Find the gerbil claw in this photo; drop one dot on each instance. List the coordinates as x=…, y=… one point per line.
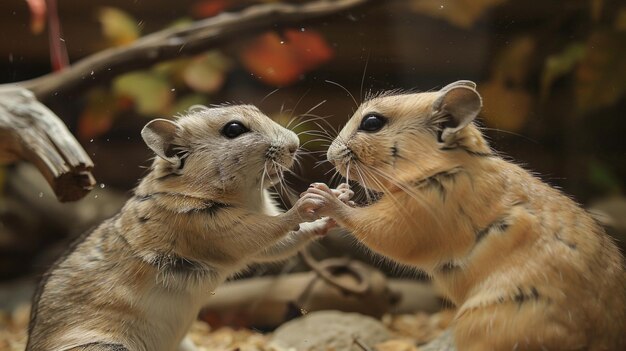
x=323, y=187
x=343, y=186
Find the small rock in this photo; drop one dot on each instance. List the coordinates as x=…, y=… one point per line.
x=329, y=330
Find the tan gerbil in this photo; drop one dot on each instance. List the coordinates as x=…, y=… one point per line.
x=202, y=213
x=526, y=266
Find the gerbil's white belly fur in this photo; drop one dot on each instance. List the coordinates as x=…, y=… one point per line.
x=168, y=316
x=159, y=320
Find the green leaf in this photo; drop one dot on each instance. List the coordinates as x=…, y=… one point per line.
x=559, y=65
x=150, y=92
x=118, y=26
x=174, y=71
x=601, y=176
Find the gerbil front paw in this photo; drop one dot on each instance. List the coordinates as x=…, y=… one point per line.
x=323, y=225
x=344, y=193
x=308, y=207
x=331, y=201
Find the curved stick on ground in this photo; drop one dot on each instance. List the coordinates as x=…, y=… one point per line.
x=30, y=131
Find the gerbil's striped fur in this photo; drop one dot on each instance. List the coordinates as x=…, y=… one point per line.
x=202, y=213
x=526, y=266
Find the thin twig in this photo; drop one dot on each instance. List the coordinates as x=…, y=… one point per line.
x=361, y=345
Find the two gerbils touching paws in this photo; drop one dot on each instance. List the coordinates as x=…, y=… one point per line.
x=321, y=201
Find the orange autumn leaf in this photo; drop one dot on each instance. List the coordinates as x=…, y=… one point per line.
x=98, y=115
x=309, y=47
x=280, y=61
x=92, y=124
x=38, y=11
x=209, y=8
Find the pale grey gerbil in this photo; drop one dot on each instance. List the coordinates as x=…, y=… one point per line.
x=202, y=213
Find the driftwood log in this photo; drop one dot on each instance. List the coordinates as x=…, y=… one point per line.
x=30, y=131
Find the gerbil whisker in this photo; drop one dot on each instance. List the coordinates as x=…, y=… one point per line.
x=279, y=186
x=359, y=174
x=298, y=102
x=321, y=162
x=410, y=192
x=263, y=177
x=290, y=171
x=363, y=77
x=344, y=88
x=315, y=107
x=313, y=141
x=511, y=133
x=313, y=152
x=315, y=133
x=322, y=129
x=284, y=184
x=330, y=170
x=297, y=159
x=399, y=206
x=312, y=118
x=268, y=95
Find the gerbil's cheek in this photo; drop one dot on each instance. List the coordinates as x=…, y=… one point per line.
x=294, y=142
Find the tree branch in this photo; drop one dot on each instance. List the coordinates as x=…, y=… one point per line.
x=30, y=131
x=176, y=42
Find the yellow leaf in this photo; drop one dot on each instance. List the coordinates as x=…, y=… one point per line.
x=461, y=13
x=601, y=75
x=2, y=179
x=559, y=65
x=513, y=62
x=207, y=72
x=504, y=107
x=620, y=20
x=150, y=92
x=118, y=27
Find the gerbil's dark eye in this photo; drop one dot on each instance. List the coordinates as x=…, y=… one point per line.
x=372, y=123
x=234, y=129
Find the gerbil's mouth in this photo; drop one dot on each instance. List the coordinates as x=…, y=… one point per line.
x=370, y=179
x=274, y=171
x=273, y=174
x=365, y=197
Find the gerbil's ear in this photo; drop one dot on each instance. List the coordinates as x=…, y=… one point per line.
x=459, y=83
x=458, y=105
x=159, y=135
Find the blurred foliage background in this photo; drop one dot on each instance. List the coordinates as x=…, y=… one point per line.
x=552, y=75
